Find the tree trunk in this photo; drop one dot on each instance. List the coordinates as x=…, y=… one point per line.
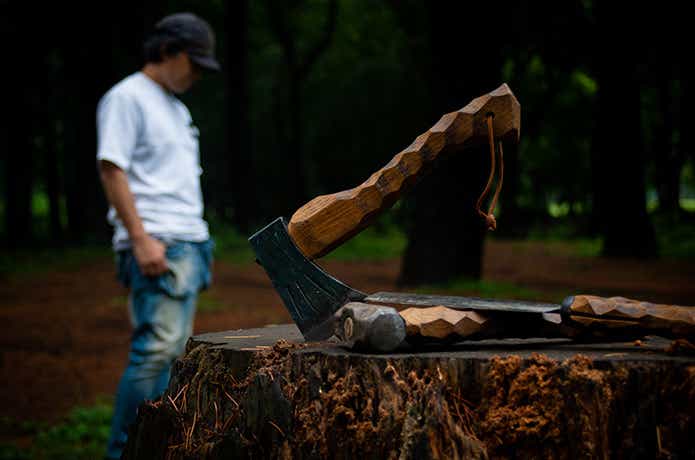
x=18, y=136
x=446, y=235
x=262, y=393
x=445, y=238
x=510, y=214
x=52, y=163
x=666, y=153
x=686, y=141
x=668, y=158
x=19, y=176
x=618, y=163
x=242, y=193
x=295, y=142
x=90, y=70
x=297, y=70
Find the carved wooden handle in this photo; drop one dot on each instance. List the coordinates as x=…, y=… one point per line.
x=442, y=322
x=329, y=220
x=621, y=314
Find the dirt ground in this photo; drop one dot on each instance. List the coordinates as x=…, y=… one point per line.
x=65, y=335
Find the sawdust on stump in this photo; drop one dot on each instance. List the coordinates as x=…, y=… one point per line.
x=547, y=408
x=311, y=405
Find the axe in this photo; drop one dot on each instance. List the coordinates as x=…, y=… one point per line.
x=323, y=306
x=286, y=250
x=374, y=324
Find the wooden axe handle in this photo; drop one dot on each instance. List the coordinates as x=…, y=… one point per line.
x=583, y=316
x=329, y=220
x=441, y=322
x=620, y=314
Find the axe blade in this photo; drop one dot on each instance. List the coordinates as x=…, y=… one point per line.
x=460, y=303
x=311, y=295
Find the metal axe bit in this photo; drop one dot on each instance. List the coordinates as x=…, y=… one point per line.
x=286, y=250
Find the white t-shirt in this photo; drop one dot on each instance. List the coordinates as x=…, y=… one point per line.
x=148, y=133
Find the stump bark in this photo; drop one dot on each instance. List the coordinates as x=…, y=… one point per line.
x=264, y=393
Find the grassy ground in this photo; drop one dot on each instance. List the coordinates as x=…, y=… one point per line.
x=675, y=241
x=82, y=436
x=233, y=247
x=481, y=288
x=26, y=262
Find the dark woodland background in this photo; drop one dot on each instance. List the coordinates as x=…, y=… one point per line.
x=317, y=94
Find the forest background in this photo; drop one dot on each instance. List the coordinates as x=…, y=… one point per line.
x=316, y=95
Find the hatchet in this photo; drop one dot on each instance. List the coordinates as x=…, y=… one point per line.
x=375, y=325
x=286, y=250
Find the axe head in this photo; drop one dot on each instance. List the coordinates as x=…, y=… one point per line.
x=311, y=295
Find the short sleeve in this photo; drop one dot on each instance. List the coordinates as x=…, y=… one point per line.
x=117, y=129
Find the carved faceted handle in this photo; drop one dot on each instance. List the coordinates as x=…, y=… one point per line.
x=442, y=322
x=619, y=313
x=329, y=220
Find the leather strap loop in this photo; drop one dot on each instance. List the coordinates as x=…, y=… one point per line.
x=490, y=221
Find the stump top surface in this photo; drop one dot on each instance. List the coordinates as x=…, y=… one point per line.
x=259, y=339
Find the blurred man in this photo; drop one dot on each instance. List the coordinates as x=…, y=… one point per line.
x=149, y=165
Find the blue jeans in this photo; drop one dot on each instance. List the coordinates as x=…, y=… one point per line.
x=161, y=310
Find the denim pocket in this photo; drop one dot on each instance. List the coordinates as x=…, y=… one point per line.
x=188, y=270
x=181, y=278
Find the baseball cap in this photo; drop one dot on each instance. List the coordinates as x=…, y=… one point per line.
x=196, y=33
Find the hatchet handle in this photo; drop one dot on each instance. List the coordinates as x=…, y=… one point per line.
x=327, y=221
x=441, y=322
x=621, y=315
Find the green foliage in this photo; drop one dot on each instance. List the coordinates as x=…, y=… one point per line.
x=41, y=260
x=559, y=242
x=83, y=435
x=355, y=111
x=675, y=239
x=363, y=100
x=560, y=236
x=372, y=244
x=12, y=452
x=231, y=245
x=383, y=240
x=483, y=288
x=554, y=154
x=207, y=304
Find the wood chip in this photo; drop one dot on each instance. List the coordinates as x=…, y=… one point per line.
x=241, y=337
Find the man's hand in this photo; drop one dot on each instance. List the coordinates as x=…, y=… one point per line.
x=150, y=255
x=149, y=252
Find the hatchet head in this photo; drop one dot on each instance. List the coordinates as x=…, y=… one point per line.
x=285, y=250
x=310, y=294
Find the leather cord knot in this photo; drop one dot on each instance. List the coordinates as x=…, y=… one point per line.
x=490, y=221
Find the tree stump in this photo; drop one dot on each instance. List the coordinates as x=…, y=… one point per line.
x=264, y=393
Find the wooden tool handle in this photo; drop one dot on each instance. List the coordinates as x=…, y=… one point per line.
x=621, y=315
x=442, y=323
x=329, y=220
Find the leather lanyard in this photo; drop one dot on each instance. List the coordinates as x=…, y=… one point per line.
x=490, y=221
